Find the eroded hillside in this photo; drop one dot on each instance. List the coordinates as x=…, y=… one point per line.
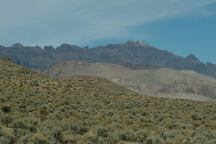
x=155, y=82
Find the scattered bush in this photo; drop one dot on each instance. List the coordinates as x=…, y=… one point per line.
x=126, y=136
x=6, y=140
x=6, y=108
x=169, y=134
x=141, y=135
x=77, y=129
x=154, y=140
x=6, y=135
x=196, y=117
x=37, y=138
x=57, y=134
x=102, y=132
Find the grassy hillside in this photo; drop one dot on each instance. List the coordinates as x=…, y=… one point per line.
x=155, y=82
x=35, y=109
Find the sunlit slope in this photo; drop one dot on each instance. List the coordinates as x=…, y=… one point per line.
x=155, y=82
x=81, y=109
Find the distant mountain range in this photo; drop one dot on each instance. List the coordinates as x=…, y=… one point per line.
x=162, y=82
x=132, y=54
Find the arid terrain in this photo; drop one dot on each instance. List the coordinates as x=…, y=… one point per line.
x=107, y=72
x=41, y=110
x=161, y=82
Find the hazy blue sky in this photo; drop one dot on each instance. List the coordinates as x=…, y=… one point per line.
x=180, y=26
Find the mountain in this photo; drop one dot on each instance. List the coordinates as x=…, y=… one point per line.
x=132, y=54
x=155, y=82
x=83, y=109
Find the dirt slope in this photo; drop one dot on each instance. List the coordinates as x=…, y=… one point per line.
x=155, y=82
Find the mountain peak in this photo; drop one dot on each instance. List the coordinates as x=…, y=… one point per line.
x=136, y=43
x=17, y=45
x=65, y=46
x=192, y=57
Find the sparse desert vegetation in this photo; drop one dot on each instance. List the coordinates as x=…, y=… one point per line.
x=35, y=109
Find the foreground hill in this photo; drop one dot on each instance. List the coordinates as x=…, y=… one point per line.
x=40, y=110
x=155, y=82
x=136, y=55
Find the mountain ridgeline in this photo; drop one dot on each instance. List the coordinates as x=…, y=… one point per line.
x=132, y=54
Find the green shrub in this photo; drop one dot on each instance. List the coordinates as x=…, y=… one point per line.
x=196, y=117
x=126, y=136
x=141, y=135
x=57, y=134
x=77, y=129
x=6, y=140
x=154, y=140
x=43, y=113
x=6, y=135
x=169, y=134
x=24, y=125
x=33, y=138
x=6, y=108
x=213, y=141
x=102, y=132
x=1, y=131
x=6, y=120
